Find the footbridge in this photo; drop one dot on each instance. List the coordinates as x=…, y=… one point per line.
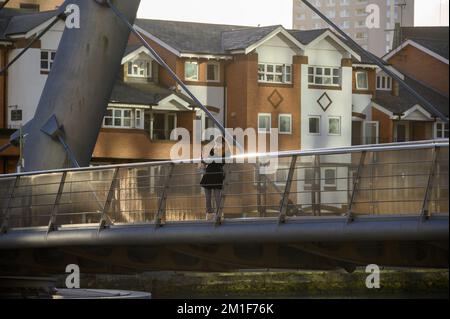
x=321, y=209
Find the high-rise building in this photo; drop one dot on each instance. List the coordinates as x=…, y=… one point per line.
x=358, y=18
x=35, y=5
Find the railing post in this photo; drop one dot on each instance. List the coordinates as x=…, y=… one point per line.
x=425, y=212
x=287, y=191
x=105, y=220
x=52, y=223
x=219, y=211
x=317, y=186
x=5, y=224
x=356, y=183
x=163, y=198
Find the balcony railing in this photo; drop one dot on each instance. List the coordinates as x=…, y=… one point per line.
x=391, y=179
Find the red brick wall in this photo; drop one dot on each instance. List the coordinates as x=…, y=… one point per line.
x=423, y=67
x=386, y=128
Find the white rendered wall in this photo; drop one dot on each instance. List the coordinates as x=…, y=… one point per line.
x=25, y=81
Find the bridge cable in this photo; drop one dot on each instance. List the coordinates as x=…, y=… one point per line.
x=380, y=63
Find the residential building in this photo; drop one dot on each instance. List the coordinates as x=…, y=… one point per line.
x=351, y=16
x=422, y=61
x=313, y=86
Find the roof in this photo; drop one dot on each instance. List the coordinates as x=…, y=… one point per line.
x=432, y=38
x=188, y=37
x=204, y=38
x=243, y=38
x=22, y=23
x=405, y=101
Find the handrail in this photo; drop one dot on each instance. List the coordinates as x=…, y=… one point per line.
x=320, y=151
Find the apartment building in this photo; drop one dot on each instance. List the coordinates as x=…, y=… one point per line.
x=35, y=5
x=351, y=15
x=422, y=61
x=311, y=85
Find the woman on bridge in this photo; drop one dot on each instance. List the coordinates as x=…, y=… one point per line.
x=212, y=181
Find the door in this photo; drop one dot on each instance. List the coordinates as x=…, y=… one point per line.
x=371, y=132
x=402, y=132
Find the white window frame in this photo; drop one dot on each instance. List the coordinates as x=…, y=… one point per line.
x=286, y=77
x=193, y=79
x=270, y=123
x=387, y=82
x=439, y=133
x=134, y=65
x=330, y=77
x=50, y=59
x=121, y=117
x=290, y=123
x=217, y=66
x=340, y=125
x=319, y=126
x=138, y=118
x=325, y=184
x=367, y=80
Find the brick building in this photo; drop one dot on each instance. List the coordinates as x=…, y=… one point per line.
x=311, y=85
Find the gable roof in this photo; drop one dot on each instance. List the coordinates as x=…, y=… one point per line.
x=431, y=40
x=242, y=38
x=188, y=37
x=405, y=101
x=22, y=23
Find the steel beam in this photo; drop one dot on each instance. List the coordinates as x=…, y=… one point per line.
x=52, y=223
x=79, y=86
x=298, y=230
x=356, y=183
x=161, y=215
x=287, y=191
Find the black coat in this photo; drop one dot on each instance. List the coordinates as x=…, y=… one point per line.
x=214, y=176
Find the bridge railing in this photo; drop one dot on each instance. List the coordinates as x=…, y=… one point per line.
x=390, y=179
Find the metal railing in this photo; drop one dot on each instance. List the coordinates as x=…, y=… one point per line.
x=389, y=179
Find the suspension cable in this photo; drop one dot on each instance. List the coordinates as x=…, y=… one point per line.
x=379, y=63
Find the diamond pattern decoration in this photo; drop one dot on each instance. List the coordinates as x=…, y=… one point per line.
x=325, y=102
x=275, y=99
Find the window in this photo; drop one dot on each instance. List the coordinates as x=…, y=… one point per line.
x=274, y=73
x=16, y=115
x=330, y=177
x=330, y=3
x=285, y=123
x=47, y=58
x=324, y=75
x=345, y=2
x=360, y=12
x=30, y=7
x=118, y=118
x=442, y=130
x=212, y=72
x=331, y=14
x=314, y=125
x=138, y=119
x=191, y=71
x=384, y=82
x=139, y=68
x=345, y=24
x=334, y=125
x=360, y=24
x=309, y=178
x=264, y=123
x=362, y=81
x=344, y=13
x=361, y=35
